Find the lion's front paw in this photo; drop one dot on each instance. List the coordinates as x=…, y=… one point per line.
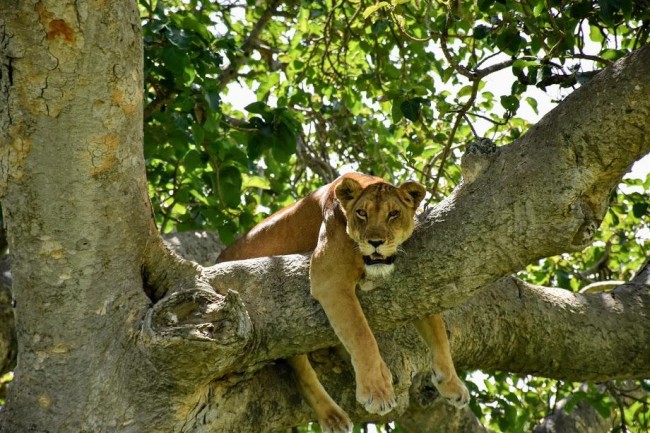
x=335, y=420
x=375, y=390
x=451, y=388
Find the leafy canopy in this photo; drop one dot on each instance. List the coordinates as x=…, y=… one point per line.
x=393, y=88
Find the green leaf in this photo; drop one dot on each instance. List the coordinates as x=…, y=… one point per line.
x=193, y=160
x=230, y=184
x=595, y=34
x=379, y=26
x=510, y=103
x=214, y=100
x=284, y=143
x=602, y=407
x=639, y=209
x=481, y=31
x=509, y=40
x=609, y=9
x=465, y=91
x=256, y=182
x=485, y=5
x=198, y=133
x=256, y=145
x=533, y=104
x=396, y=111
x=613, y=55
x=411, y=109
x=258, y=107
x=521, y=63
x=581, y=10
x=191, y=22
x=180, y=38
x=539, y=8
x=374, y=8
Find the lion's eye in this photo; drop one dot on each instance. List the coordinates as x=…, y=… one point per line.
x=393, y=214
x=362, y=214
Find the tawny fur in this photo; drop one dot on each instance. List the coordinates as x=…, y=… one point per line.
x=355, y=216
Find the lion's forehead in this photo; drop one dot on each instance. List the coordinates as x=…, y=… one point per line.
x=380, y=199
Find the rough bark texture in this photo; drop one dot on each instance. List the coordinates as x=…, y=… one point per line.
x=116, y=333
x=75, y=206
x=440, y=418
x=583, y=418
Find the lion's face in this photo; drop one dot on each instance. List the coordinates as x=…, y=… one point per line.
x=379, y=219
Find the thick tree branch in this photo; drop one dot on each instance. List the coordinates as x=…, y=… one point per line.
x=510, y=316
x=543, y=195
x=555, y=333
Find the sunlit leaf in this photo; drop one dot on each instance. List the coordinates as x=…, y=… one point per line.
x=374, y=8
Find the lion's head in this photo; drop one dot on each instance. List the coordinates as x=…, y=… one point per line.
x=379, y=219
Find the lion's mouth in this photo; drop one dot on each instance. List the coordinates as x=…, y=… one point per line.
x=378, y=259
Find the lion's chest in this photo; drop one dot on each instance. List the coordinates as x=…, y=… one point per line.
x=374, y=275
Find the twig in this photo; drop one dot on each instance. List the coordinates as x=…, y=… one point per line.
x=404, y=32
x=231, y=71
x=452, y=134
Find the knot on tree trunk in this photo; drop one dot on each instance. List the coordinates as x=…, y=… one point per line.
x=581, y=210
x=478, y=156
x=209, y=329
x=423, y=392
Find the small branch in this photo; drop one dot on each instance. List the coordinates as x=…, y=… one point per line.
x=452, y=134
x=454, y=64
x=403, y=31
x=163, y=96
x=253, y=38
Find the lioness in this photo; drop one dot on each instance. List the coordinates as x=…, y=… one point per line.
x=353, y=226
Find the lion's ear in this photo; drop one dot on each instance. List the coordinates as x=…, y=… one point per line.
x=347, y=191
x=413, y=191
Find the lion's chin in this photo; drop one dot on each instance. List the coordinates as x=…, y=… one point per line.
x=378, y=266
x=378, y=271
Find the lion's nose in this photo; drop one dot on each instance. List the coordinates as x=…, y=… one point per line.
x=375, y=243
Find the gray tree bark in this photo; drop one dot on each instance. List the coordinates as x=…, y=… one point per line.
x=583, y=418
x=75, y=206
x=116, y=333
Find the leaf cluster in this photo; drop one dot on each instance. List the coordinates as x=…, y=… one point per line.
x=394, y=89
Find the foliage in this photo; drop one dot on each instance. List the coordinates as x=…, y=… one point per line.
x=393, y=88
x=4, y=380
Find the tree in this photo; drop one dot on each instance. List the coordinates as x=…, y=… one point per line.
x=117, y=333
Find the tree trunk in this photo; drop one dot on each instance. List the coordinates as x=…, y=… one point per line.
x=116, y=333
x=76, y=209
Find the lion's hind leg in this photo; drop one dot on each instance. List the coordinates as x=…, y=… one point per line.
x=432, y=329
x=331, y=417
